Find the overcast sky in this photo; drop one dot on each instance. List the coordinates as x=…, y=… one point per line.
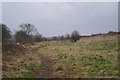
x=59, y=18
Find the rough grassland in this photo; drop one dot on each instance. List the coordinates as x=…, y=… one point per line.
x=19, y=62
x=94, y=57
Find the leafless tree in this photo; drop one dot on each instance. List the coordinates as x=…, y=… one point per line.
x=28, y=28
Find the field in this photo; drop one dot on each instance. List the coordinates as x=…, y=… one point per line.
x=90, y=57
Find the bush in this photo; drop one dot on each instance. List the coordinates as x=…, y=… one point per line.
x=23, y=38
x=75, y=36
x=38, y=38
x=25, y=35
x=6, y=33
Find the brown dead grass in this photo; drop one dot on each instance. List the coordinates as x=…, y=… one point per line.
x=15, y=57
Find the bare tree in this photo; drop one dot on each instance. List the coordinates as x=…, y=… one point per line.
x=28, y=28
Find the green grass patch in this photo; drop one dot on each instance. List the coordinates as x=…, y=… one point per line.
x=68, y=44
x=60, y=68
x=31, y=66
x=72, y=59
x=103, y=45
x=61, y=56
x=25, y=75
x=28, y=69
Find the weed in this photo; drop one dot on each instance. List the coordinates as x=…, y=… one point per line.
x=25, y=75
x=60, y=69
x=61, y=56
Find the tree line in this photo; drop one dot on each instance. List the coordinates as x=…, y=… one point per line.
x=28, y=33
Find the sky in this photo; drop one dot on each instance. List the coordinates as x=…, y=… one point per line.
x=60, y=18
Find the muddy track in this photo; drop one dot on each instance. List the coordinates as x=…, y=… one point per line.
x=46, y=69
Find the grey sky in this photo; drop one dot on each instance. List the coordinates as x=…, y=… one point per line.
x=59, y=18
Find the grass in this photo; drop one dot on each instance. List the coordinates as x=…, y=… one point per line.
x=25, y=75
x=29, y=69
x=87, y=57
x=31, y=66
x=60, y=69
x=103, y=45
x=84, y=59
x=22, y=63
x=61, y=56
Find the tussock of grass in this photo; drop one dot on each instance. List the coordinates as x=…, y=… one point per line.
x=60, y=69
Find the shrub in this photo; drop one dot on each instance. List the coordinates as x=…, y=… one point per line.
x=6, y=33
x=23, y=38
x=75, y=36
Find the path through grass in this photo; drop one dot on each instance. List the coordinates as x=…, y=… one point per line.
x=85, y=58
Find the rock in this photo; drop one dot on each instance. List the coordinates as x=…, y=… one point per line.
x=18, y=43
x=42, y=70
x=18, y=61
x=8, y=52
x=23, y=46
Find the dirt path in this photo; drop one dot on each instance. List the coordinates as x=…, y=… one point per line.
x=45, y=70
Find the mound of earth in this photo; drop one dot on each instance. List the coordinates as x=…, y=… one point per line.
x=17, y=59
